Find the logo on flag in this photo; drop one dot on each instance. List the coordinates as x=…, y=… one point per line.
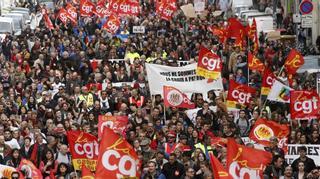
x=267, y=82
x=112, y=25
x=117, y=158
x=293, y=61
x=255, y=63
x=279, y=92
x=117, y=123
x=175, y=98
x=209, y=64
x=239, y=95
x=304, y=105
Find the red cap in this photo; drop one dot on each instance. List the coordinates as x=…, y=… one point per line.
x=172, y=134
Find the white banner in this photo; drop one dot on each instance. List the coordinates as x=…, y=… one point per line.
x=199, y=5
x=138, y=29
x=279, y=92
x=183, y=78
x=313, y=152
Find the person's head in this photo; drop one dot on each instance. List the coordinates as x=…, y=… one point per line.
x=172, y=158
x=278, y=161
x=301, y=166
x=64, y=149
x=15, y=153
x=49, y=155
x=152, y=166
x=63, y=168
x=27, y=141
x=302, y=151
x=288, y=171
x=7, y=135
x=190, y=172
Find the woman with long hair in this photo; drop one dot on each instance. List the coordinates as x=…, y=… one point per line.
x=63, y=170
x=15, y=159
x=48, y=166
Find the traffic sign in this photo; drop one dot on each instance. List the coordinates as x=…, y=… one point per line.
x=306, y=7
x=306, y=21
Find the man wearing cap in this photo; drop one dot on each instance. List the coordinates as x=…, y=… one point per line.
x=170, y=146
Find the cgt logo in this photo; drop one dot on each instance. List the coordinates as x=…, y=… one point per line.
x=72, y=13
x=87, y=8
x=112, y=26
x=122, y=162
x=243, y=98
x=63, y=17
x=210, y=62
x=270, y=80
x=236, y=171
x=89, y=149
x=306, y=106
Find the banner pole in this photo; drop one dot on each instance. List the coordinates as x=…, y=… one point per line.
x=280, y=71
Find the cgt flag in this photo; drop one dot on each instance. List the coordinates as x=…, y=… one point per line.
x=84, y=149
x=218, y=170
x=255, y=63
x=117, y=123
x=175, y=98
x=293, y=61
x=209, y=64
x=245, y=162
x=239, y=95
x=112, y=25
x=48, y=22
x=117, y=158
x=304, y=105
x=63, y=15
x=86, y=173
x=87, y=8
x=267, y=81
x=72, y=13
x=264, y=129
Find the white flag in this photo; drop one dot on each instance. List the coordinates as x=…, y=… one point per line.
x=279, y=92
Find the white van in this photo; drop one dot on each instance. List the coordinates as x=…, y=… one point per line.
x=240, y=5
x=247, y=11
x=264, y=23
x=17, y=17
x=6, y=25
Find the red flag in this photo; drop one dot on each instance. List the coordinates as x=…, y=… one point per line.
x=219, y=32
x=304, y=105
x=33, y=171
x=267, y=81
x=239, y=95
x=117, y=123
x=117, y=158
x=236, y=30
x=84, y=148
x=175, y=98
x=209, y=64
x=264, y=129
x=167, y=11
x=218, y=170
x=219, y=141
x=245, y=162
x=101, y=10
x=48, y=22
x=293, y=61
x=72, y=13
x=86, y=8
x=63, y=15
x=255, y=63
x=112, y=25
x=86, y=173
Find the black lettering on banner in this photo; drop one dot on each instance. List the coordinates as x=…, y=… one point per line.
x=316, y=150
x=294, y=150
x=309, y=150
x=165, y=74
x=174, y=73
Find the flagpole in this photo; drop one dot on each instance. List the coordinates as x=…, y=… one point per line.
x=280, y=71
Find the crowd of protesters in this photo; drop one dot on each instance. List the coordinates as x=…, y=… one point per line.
x=49, y=85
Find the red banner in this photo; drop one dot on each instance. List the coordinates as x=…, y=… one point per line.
x=209, y=64
x=72, y=13
x=84, y=149
x=48, y=22
x=112, y=25
x=264, y=129
x=175, y=98
x=86, y=173
x=245, y=162
x=32, y=171
x=239, y=95
x=267, y=81
x=304, y=105
x=219, y=32
x=255, y=63
x=86, y=8
x=117, y=158
x=117, y=123
x=102, y=11
x=293, y=61
x=218, y=170
x=236, y=30
x=63, y=15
